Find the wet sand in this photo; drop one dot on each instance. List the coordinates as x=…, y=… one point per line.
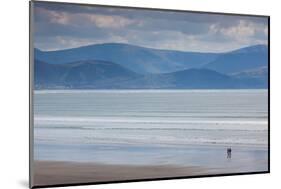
x=55, y=172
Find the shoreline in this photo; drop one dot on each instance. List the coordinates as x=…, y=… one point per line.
x=63, y=172
x=67, y=172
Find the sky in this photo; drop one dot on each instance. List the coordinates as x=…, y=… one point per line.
x=64, y=26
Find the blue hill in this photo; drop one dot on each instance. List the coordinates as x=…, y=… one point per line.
x=138, y=59
x=116, y=65
x=240, y=60
x=80, y=74
x=94, y=74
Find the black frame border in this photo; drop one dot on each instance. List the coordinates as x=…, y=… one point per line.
x=31, y=73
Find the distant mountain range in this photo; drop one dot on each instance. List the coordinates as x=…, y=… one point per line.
x=123, y=66
x=138, y=59
x=259, y=75
x=240, y=60
x=80, y=74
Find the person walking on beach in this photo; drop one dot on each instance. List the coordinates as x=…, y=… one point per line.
x=228, y=152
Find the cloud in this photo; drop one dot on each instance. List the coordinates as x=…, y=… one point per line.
x=136, y=13
x=242, y=31
x=60, y=26
x=48, y=43
x=109, y=22
x=78, y=19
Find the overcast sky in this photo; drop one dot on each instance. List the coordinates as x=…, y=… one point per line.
x=63, y=26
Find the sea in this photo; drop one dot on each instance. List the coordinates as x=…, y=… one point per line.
x=154, y=127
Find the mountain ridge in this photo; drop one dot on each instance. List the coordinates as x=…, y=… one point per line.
x=95, y=74
x=84, y=73
x=240, y=60
x=136, y=58
x=145, y=60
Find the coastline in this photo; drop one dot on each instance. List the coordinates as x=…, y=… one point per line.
x=60, y=172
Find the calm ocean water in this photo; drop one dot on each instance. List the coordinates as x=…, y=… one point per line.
x=191, y=127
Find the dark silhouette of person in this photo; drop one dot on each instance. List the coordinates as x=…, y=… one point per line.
x=228, y=152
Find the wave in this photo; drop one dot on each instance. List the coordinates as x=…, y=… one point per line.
x=69, y=91
x=147, y=139
x=143, y=121
x=101, y=123
x=150, y=129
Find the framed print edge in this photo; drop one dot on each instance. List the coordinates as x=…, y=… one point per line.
x=31, y=115
x=31, y=100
